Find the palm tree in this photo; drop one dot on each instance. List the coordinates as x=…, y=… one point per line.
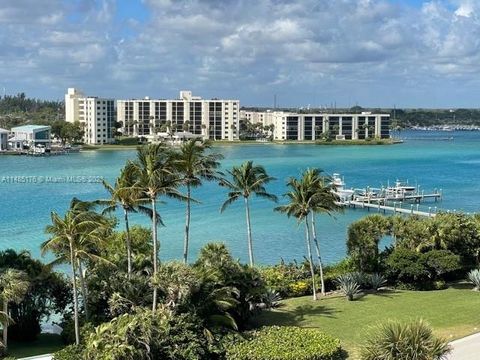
x=247, y=179
x=14, y=285
x=303, y=197
x=155, y=177
x=324, y=201
x=194, y=165
x=69, y=236
x=125, y=195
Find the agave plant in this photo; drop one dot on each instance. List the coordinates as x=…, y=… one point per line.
x=395, y=340
x=348, y=285
x=362, y=279
x=474, y=278
x=271, y=299
x=377, y=281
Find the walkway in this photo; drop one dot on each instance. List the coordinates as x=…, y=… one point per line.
x=467, y=348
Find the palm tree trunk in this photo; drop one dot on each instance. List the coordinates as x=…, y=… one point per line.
x=75, y=296
x=187, y=226
x=5, y=326
x=128, y=244
x=155, y=251
x=317, y=248
x=84, y=288
x=249, y=232
x=310, y=259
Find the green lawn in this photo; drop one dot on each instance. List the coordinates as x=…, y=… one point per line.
x=453, y=313
x=46, y=344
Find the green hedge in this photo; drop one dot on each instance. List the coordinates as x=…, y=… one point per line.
x=126, y=141
x=286, y=343
x=69, y=353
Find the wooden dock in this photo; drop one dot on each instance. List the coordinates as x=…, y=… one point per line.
x=387, y=208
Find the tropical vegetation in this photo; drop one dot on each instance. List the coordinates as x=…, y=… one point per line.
x=118, y=297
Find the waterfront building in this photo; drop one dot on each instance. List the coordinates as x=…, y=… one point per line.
x=30, y=136
x=96, y=115
x=344, y=126
x=154, y=119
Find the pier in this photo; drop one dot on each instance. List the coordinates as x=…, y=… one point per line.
x=387, y=199
x=414, y=210
x=384, y=197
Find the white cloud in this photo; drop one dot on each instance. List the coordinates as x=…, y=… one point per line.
x=248, y=49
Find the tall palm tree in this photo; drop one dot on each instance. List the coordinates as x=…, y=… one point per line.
x=247, y=179
x=14, y=285
x=323, y=201
x=304, y=198
x=156, y=177
x=125, y=195
x=78, y=226
x=193, y=165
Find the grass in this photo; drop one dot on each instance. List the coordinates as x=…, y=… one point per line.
x=46, y=344
x=452, y=313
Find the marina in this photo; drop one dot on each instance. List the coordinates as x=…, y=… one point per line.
x=386, y=199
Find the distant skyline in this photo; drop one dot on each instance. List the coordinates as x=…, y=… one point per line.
x=374, y=53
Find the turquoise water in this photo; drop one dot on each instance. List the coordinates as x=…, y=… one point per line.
x=424, y=159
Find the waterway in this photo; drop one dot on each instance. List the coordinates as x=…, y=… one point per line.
x=30, y=188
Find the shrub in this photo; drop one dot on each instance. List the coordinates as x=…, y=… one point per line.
x=286, y=343
x=48, y=293
x=474, y=278
x=439, y=285
x=440, y=262
x=299, y=288
x=377, y=281
x=145, y=335
x=218, y=269
x=404, y=265
x=280, y=277
x=421, y=269
x=331, y=272
x=348, y=286
x=68, y=353
x=398, y=341
x=126, y=141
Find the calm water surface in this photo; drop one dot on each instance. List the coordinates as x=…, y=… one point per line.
x=424, y=158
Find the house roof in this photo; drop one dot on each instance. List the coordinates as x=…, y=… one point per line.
x=3, y=131
x=30, y=128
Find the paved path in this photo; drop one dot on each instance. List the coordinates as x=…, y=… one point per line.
x=467, y=348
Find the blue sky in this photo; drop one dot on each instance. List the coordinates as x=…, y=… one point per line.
x=408, y=53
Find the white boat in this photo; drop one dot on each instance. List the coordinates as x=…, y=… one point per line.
x=339, y=188
x=400, y=190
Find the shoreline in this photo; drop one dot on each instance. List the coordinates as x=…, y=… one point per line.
x=378, y=142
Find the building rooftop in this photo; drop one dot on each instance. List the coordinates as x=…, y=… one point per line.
x=3, y=131
x=28, y=128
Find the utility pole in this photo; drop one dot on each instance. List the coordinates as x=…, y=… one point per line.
x=274, y=101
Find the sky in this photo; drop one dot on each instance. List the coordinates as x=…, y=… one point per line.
x=372, y=53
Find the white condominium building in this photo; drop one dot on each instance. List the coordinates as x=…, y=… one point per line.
x=96, y=115
x=294, y=126
x=214, y=119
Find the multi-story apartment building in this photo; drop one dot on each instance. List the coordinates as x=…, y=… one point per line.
x=294, y=126
x=96, y=115
x=214, y=119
